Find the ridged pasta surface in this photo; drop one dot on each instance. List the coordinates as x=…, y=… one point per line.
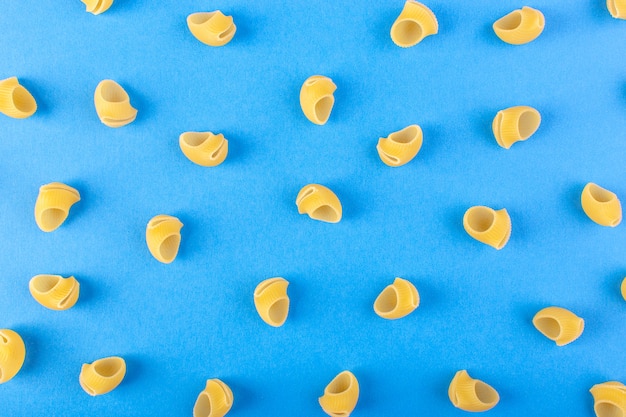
x=15, y=100
x=320, y=203
x=520, y=26
x=415, y=22
x=515, y=124
x=212, y=28
x=489, y=226
x=317, y=99
x=340, y=395
x=601, y=205
x=609, y=399
x=53, y=205
x=102, y=376
x=400, y=147
x=54, y=291
x=163, y=237
x=204, y=148
x=471, y=394
x=397, y=300
x=559, y=324
x=271, y=301
x=215, y=400
x=113, y=104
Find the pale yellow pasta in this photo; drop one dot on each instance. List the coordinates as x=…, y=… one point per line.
x=54, y=291
x=489, y=226
x=617, y=8
x=271, y=301
x=471, y=394
x=204, y=148
x=520, y=26
x=97, y=6
x=53, y=205
x=397, y=300
x=400, y=147
x=163, y=237
x=601, y=205
x=316, y=98
x=624, y=289
x=515, y=124
x=215, y=401
x=609, y=399
x=12, y=354
x=103, y=375
x=212, y=28
x=113, y=104
x=340, y=395
x=558, y=324
x=320, y=203
x=415, y=22
x=16, y=101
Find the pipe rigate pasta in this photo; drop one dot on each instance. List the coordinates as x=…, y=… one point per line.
x=471, y=394
x=102, y=376
x=53, y=205
x=54, y=291
x=515, y=124
x=397, y=300
x=520, y=26
x=271, y=301
x=12, y=354
x=489, y=226
x=316, y=98
x=558, y=324
x=163, y=237
x=609, y=399
x=204, y=148
x=16, y=101
x=97, y=6
x=624, y=289
x=113, y=104
x=415, y=22
x=320, y=203
x=400, y=147
x=212, y=28
x=617, y=8
x=215, y=400
x=340, y=395
x=601, y=205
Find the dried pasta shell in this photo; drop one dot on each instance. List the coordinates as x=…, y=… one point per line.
x=97, y=6
x=163, y=237
x=12, y=354
x=609, y=399
x=397, y=300
x=415, y=22
x=103, y=375
x=471, y=394
x=520, y=26
x=271, y=301
x=215, y=401
x=400, y=147
x=320, y=203
x=559, y=325
x=212, y=28
x=54, y=291
x=489, y=226
x=113, y=104
x=515, y=124
x=16, y=101
x=316, y=98
x=617, y=8
x=340, y=395
x=624, y=289
x=53, y=205
x=204, y=148
x=601, y=205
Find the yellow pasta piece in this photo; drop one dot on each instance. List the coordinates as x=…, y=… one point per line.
x=215, y=401
x=204, y=148
x=559, y=325
x=97, y=6
x=471, y=394
x=113, y=104
x=617, y=8
x=103, y=375
x=12, y=354
x=316, y=98
x=520, y=26
x=54, y=291
x=397, y=300
x=489, y=226
x=601, y=205
x=163, y=237
x=271, y=301
x=340, y=395
x=415, y=22
x=400, y=147
x=515, y=124
x=320, y=203
x=16, y=101
x=609, y=399
x=212, y=28
x=624, y=289
x=53, y=205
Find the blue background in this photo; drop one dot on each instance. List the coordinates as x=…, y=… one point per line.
x=180, y=324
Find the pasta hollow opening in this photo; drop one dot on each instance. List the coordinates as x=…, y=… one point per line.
x=112, y=92
x=528, y=124
x=485, y=393
x=340, y=384
x=407, y=31
x=106, y=368
x=23, y=100
x=600, y=194
x=387, y=301
x=46, y=282
x=549, y=326
x=278, y=310
x=53, y=216
x=510, y=21
x=203, y=406
x=169, y=247
x=325, y=213
x=481, y=220
x=323, y=108
x=608, y=410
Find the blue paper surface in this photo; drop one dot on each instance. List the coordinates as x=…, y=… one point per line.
x=178, y=325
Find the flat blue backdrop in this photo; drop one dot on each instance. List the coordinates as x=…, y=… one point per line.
x=180, y=324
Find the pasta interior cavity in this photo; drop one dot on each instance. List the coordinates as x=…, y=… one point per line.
x=271, y=301
x=53, y=205
x=559, y=325
x=102, y=376
x=415, y=22
x=520, y=26
x=400, y=147
x=397, y=300
x=212, y=28
x=320, y=203
x=471, y=394
x=163, y=237
x=54, y=291
x=317, y=99
x=204, y=148
x=601, y=205
x=113, y=104
x=609, y=399
x=340, y=395
x=15, y=100
x=515, y=124
x=489, y=226
x=215, y=400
